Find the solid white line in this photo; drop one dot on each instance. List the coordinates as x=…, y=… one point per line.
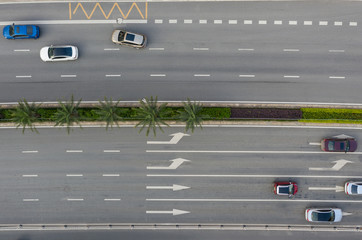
x=74, y=175
x=233, y=21
x=201, y=49
x=30, y=200
x=249, y=200
x=36, y=22
x=24, y=76
x=110, y=175
x=290, y=50
x=74, y=151
x=245, y=49
x=262, y=22
x=353, y=24
x=75, y=199
x=111, y=151
x=217, y=21
x=293, y=22
x=315, y=143
x=246, y=75
x=291, y=76
x=30, y=151
x=111, y=49
x=278, y=22
x=30, y=175
x=308, y=23
x=338, y=77
x=253, y=152
x=202, y=21
x=113, y=75
x=187, y=21
x=68, y=76
x=158, y=21
x=156, y=49
x=332, y=50
x=112, y=199
x=201, y=75
x=323, y=188
x=338, y=23
x=21, y=50
x=158, y=75
x=323, y=23
x=250, y=176
x=172, y=21
x=248, y=22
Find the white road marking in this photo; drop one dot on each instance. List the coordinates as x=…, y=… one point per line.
x=323, y=23
x=338, y=166
x=308, y=23
x=30, y=200
x=172, y=21
x=112, y=199
x=337, y=77
x=188, y=21
x=245, y=49
x=338, y=23
x=246, y=75
x=110, y=175
x=30, y=151
x=111, y=151
x=293, y=22
x=74, y=175
x=248, y=200
x=252, y=152
x=174, y=187
x=217, y=21
x=202, y=21
x=233, y=21
x=290, y=50
x=278, y=22
x=30, y=175
x=291, y=76
x=174, y=165
x=176, y=137
x=353, y=24
x=201, y=49
x=315, y=143
x=335, y=50
x=68, y=76
x=248, y=21
x=74, y=151
x=21, y=50
x=346, y=213
x=201, y=75
x=336, y=188
x=156, y=49
x=111, y=49
x=262, y=22
x=158, y=21
x=75, y=199
x=157, y=75
x=250, y=176
x=24, y=76
x=113, y=75
x=174, y=212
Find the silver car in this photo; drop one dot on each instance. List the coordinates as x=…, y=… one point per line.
x=323, y=215
x=129, y=39
x=353, y=188
x=58, y=53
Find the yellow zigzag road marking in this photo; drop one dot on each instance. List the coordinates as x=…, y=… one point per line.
x=110, y=12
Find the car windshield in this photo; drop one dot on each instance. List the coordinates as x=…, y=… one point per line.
x=331, y=145
x=284, y=189
x=354, y=188
x=60, y=52
x=323, y=215
x=11, y=30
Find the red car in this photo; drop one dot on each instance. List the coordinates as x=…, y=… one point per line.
x=285, y=188
x=339, y=144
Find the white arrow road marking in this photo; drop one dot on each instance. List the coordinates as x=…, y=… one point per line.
x=176, y=138
x=346, y=213
x=174, y=187
x=175, y=164
x=337, y=188
x=315, y=143
x=174, y=212
x=342, y=136
x=338, y=166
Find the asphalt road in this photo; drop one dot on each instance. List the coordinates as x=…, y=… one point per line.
x=220, y=51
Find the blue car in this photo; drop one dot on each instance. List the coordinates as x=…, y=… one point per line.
x=21, y=31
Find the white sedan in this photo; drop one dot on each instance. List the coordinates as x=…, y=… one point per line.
x=58, y=53
x=323, y=214
x=353, y=188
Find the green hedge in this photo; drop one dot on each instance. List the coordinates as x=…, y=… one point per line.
x=328, y=113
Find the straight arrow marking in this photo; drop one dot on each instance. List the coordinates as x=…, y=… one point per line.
x=174, y=187
x=337, y=188
x=174, y=212
x=176, y=137
x=175, y=164
x=338, y=166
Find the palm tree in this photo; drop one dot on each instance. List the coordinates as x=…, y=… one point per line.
x=67, y=114
x=25, y=115
x=191, y=115
x=151, y=114
x=109, y=112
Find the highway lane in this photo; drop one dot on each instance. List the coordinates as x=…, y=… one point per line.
x=241, y=62
x=53, y=177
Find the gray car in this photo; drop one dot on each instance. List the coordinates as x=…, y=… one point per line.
x=129, y=39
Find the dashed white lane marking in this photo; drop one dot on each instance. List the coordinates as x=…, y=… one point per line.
x=30, y=151
x=290, y=50
x=158, y=21
x=233, y=21
x=315, y=143
x=248, y=21
x=337, y=77
x=353, y=24
x=74, y=175
x=111, y=151
x=201, y=49
x=245, y=49
x=293, y=22
x=110, y=175
x=335, y=51
x=202, y=21
x=201, y=75
x=262, y=22
x=338, y=23
x=217, y=21
x=246, y=75
x=112, y=199
x=111, y=49
x=30, y=200
x=75, y=199
x=156, y=49
x=172, y=21
x=30, y=175
x=68, y=76
x=308, y=23
x=158, y=75
x=21, y=50
x=74, y=151
x=323, y=23
x=278, y=22
x=113, y=75
x=24, y=76
x=188, y=21
x=291, y=76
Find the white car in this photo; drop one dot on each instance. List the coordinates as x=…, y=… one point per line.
x=353, y=188
x=59, y=53
x=323, y=215
x=129, y=39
